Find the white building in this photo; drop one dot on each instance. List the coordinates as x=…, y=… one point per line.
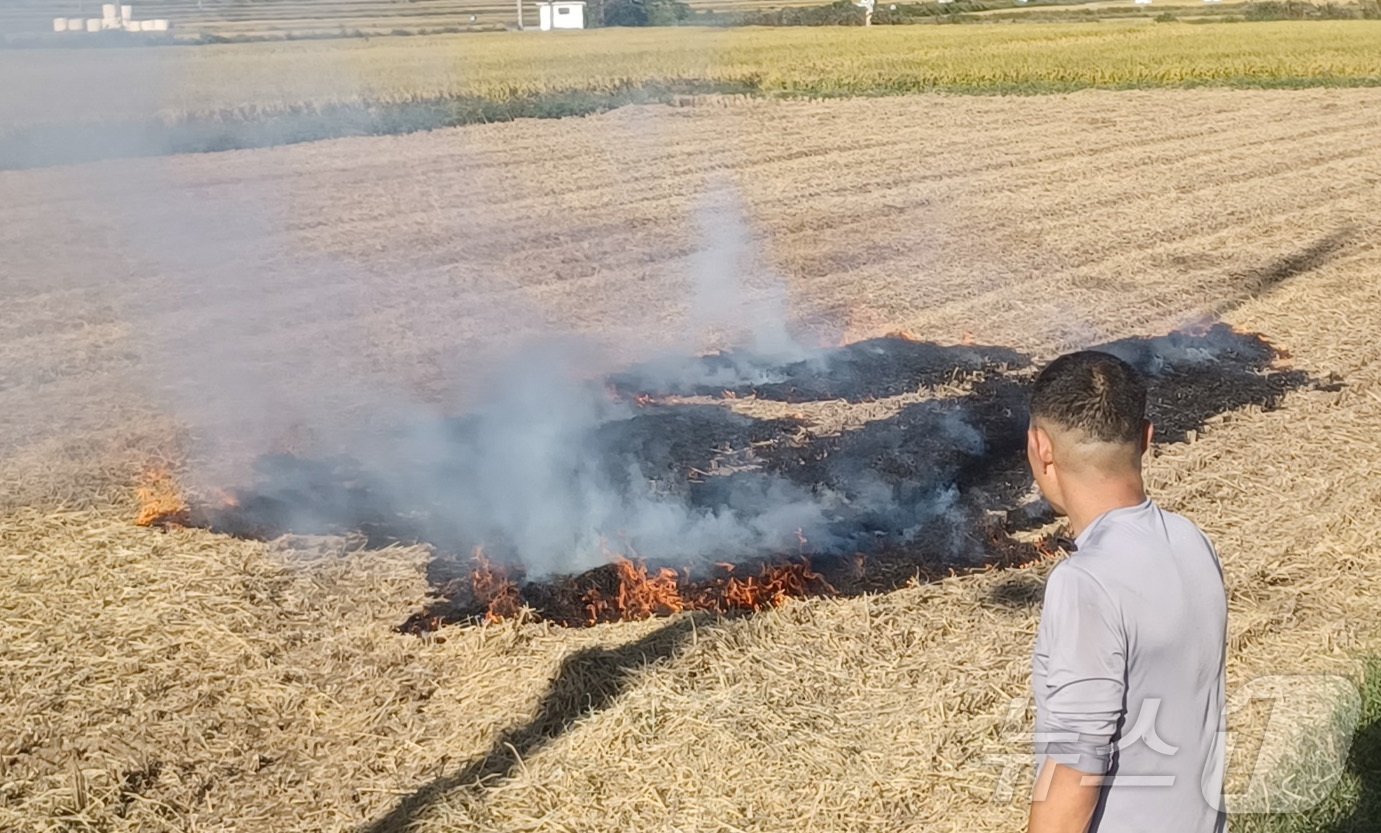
x=114, y=17
x=561, y=14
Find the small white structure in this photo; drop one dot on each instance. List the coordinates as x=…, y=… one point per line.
x=561, y=14
x=114, y=18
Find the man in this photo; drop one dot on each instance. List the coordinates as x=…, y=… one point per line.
x=1128, y=666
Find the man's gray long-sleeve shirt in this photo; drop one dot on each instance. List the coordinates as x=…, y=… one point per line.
x=1128, y=671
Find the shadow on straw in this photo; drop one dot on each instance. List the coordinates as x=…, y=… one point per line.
x=587, y=682
x=1265, y=278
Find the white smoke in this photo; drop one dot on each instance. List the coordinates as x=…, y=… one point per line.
x=530, y=476
x=725, y=310
x=544, y=473
x=553, y=470
x=738, y=309
x=252, y=345
x=537, y=471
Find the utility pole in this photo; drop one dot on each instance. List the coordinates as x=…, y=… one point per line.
x=520, y=14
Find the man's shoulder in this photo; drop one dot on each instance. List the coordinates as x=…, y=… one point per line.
x=1082, y=574
x=1185, y=533
x=1085, y=566
x=1126, y=553
x=1142, y=529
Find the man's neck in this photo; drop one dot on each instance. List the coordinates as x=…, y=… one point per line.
x=1086, y=501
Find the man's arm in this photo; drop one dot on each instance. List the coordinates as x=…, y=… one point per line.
x=1063, y=801
x=1084, y=655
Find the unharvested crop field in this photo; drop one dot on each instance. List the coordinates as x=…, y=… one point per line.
x=178, y=680
x=234, y=83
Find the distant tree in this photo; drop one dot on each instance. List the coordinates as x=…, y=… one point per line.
x=642, y=12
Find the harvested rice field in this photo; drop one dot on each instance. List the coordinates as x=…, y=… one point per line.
x=168, y=322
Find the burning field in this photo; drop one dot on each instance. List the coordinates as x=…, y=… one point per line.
x=676, y=501
x=437, y=488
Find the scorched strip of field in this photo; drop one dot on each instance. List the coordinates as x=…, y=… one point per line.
x=936, y=487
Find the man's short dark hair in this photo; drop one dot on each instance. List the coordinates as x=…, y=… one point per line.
x=1094, y=392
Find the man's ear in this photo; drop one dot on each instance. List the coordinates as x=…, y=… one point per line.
x=1148, y=433
x=1042, y=450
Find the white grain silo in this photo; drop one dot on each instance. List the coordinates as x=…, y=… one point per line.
x=93, y=24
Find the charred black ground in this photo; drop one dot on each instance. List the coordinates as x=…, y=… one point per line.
x=856, y=372
x=965, y=452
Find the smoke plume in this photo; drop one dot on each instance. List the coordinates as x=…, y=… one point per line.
x=559, y=466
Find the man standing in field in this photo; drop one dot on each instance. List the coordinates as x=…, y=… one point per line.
x=1128, y=668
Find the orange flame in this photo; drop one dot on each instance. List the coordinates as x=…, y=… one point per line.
x=905, y=335
x=644, y=593
x=493, y=588
x=161, y=502
x=640, y=595
x=772, y=587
